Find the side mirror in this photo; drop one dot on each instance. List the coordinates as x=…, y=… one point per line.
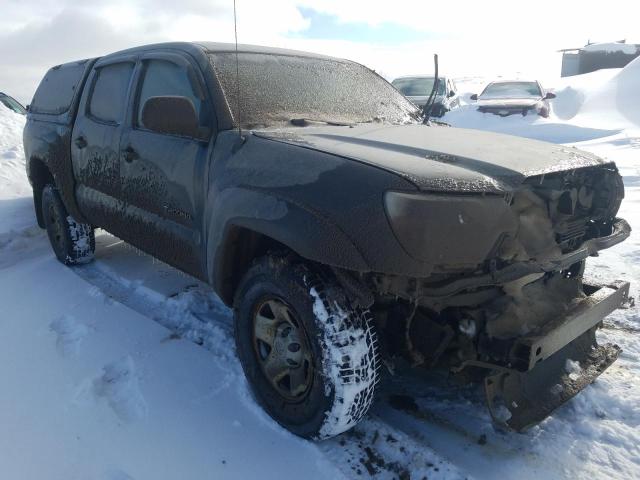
x=170, y=115
x=451, y=94
x=474, y=96
x=549, y=96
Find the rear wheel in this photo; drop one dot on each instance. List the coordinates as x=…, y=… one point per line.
x=310, y=358
x=72, y=242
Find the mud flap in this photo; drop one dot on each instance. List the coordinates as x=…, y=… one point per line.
x=519, y=400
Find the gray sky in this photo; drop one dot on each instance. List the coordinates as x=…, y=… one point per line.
x=473, y=38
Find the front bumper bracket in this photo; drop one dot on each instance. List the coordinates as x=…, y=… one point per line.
x=550, y=366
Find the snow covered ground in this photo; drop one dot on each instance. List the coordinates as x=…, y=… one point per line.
x=125, y=368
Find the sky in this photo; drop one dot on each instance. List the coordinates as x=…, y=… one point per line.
x=487, y=39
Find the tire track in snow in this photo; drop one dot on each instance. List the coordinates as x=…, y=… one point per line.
x=190, y=309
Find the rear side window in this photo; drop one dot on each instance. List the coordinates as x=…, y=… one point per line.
x=163, y=78
x=109, y=95
x=56, y=90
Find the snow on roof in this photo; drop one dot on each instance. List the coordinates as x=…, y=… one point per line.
x=612, y=47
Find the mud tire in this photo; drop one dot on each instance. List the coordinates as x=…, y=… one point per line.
x=73, y=242
x=341, y=339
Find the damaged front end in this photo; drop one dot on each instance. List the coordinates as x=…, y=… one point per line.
x=506, y=303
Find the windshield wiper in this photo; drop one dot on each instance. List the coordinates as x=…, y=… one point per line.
x=426, y=109
x=305, y=122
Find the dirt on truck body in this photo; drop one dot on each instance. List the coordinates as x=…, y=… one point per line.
x=343, y=231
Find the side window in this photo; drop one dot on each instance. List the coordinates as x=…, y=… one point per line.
x=109, y=95
x=164, y=78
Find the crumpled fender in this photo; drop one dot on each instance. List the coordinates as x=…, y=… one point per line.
x=297, y=226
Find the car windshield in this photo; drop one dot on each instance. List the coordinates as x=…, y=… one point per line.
x=278, y=88
x=12, y=104
x=417, y=86
x=512, y=90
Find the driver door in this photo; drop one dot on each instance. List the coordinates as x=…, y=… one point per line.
x=162, y=175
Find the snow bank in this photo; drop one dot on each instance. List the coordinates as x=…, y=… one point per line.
x=16, y=204
x=613, y=102
x=530, y=126
x=13, y=180
x=572, y=92
x=606, y=97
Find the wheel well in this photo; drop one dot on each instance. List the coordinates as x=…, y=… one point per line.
x=40, y=175
x=242, y=247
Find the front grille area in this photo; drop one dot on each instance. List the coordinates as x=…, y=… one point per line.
x=579, y=199
x=570, y=234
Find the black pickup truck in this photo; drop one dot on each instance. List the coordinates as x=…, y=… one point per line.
x=344, y=232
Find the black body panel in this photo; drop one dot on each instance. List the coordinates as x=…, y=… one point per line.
x=47, y=142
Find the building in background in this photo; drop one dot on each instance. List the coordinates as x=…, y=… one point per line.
x=596, y=56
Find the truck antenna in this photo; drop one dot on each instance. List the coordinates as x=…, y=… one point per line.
x=235, y=31
x=426, y=109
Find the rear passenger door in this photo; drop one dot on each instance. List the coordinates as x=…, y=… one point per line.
x=163, y=175
x=95, y=142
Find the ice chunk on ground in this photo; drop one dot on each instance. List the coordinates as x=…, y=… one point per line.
x=573, y=368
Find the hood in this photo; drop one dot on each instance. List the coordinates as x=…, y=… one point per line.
x=440, y=158
x=508, y=102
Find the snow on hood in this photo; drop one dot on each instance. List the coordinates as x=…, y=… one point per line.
x=441, y=158
x=508, y=102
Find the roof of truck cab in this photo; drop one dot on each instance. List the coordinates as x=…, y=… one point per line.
x=219, y=47
x=214, y=47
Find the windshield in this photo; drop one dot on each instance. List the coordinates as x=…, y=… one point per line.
x=512, y=90
x=276, y=88
x=12, y=104
x=417, y=86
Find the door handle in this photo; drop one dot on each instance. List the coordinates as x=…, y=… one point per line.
x=80, y=142
x=130, y=154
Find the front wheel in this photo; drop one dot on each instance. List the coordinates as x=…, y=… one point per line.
x=310, y=357
x=72, y=242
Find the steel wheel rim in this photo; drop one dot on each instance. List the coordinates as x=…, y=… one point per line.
x=56, y=228
x=282, y=349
